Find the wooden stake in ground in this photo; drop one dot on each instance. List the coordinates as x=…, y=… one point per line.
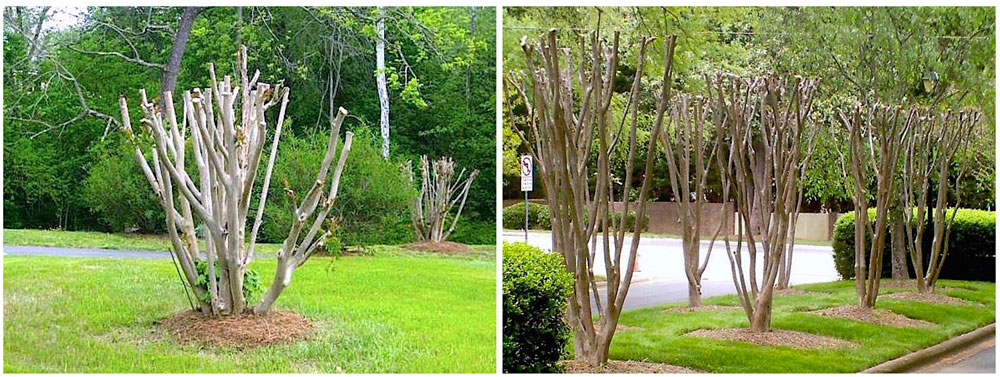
x=932, y=145
x=876, y=135
x=227, y=142
x=775, y=111
x=440, y=191
x=562, y=124
x=690, y=149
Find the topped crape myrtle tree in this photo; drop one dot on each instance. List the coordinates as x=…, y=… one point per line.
x=225, y=129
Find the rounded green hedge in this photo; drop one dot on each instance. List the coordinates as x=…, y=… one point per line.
x=536, y=286
x=540, y=218
x=971, y=250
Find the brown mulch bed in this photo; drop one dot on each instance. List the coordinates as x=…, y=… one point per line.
x=932, y=298
x=445, y=247
x=788, y=338
x=703, y=308
x=623, y=366
x=276, y=327
x=898, y=284
x=876, y=316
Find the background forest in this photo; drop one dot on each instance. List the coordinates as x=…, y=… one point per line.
x=66, y=165
x=941, y=57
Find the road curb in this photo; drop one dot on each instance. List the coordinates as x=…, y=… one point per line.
x=912, y=360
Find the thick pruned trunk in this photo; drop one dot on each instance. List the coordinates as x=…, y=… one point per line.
x=227, y=148
x=559, y=133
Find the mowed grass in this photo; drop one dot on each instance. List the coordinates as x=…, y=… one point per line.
x=98, y=240
x=659, y=334
x=396, y=311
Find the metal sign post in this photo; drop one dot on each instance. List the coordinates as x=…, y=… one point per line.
x=527, y=170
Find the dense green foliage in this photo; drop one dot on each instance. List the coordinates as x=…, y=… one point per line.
x=956, y=43
x=971, y=250
x=513, y=216
x=373, y=315
x=61, y=154
x=373, y=200
x=118, y=192
x=536, y=286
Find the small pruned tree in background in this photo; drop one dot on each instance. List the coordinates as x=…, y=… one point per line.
x=561, y=125
x=227, y=130
x=440, y=191
x=875, y=140
x=930, y=148
x=690, y=149
x=775, y=111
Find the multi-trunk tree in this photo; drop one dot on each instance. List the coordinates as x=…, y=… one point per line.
x=875, y=138
x=568, y=99
x=440, y=191
x=225, y=128
x=763, y=119
x=930, y=149
x=690, y=148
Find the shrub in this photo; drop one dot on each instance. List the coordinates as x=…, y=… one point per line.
x=536, y=286
x=971, y=250
x=473, y=232
x=118, y=193
x=373, y=200
x=513, y=216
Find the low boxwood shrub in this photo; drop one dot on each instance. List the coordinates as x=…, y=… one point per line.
x=513, y=216
x=971, y=250
x=536, y=286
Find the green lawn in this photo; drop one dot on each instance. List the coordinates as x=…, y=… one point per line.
x=396, y=311
x=660, y=334
x=98, y=240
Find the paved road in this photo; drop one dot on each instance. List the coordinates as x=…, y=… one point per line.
x=84, y=253
x=661, y=279
x=984, y=361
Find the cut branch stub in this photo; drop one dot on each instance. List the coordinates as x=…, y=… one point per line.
x=227, y=130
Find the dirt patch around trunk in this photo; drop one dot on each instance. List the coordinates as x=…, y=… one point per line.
x=276, y=327
x=698, y=309
x=877, y=316
x=623, y=366
x=622, y=327
x=793, y=292
x=444, y=247
x=931, y=298
x=788, y=338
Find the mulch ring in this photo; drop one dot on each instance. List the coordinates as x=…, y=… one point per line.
x=444, y=247
x=275, y=327
x=931, y=298
x=702, y=308
x=877, y=316
x=622, y=366
x=795, y=339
